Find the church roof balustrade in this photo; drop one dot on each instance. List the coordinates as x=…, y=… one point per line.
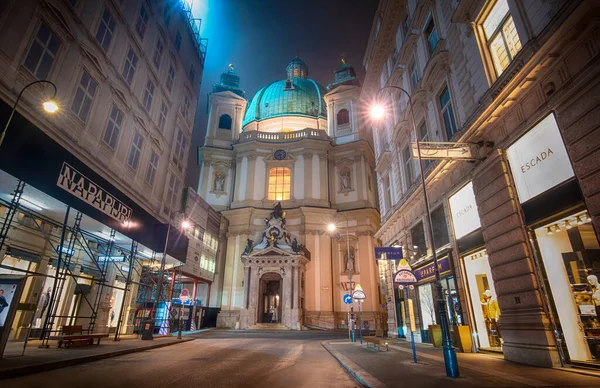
x=282, y=137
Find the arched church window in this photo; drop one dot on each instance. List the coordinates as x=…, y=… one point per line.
x=343, y=117
x=225, y=122
x=296, y=72
x=279, y=184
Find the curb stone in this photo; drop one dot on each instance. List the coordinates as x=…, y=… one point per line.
x=362, y=376
x=52, y=365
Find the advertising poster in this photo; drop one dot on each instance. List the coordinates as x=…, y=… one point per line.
x=7, y=292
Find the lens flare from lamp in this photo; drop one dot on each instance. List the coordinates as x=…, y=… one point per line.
x=50, y=106
x=185, y=224
x=377, y=112
x=331, y=227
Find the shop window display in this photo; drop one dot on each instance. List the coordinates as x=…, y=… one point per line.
x=484, y=300
x=570, y=253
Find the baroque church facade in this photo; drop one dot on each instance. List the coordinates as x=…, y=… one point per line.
x=280, y=169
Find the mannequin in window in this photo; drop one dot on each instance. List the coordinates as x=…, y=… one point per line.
x=493, y=315
x=345, y=180
x=595, y=288
x=219, y=182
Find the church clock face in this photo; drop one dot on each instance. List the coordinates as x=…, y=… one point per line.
x=279, y=154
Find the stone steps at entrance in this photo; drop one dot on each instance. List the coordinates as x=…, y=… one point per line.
x=269, y=326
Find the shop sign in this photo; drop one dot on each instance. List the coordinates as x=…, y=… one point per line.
x=465, y=217
x=74, y=182
x=388, y=253
x=404, y=275
x=539, y=160
x=118, y=259
x=428, y=272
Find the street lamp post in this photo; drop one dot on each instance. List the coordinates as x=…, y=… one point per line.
x=332, y=228
x=450, y=360
x=49, y=105
x=161, y=273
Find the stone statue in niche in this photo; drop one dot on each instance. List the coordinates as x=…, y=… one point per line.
x=349, y=261
x=345, y=177
x=249, y=247
x=219, y=182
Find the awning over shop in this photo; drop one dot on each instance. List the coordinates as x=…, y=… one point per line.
x=32, y=156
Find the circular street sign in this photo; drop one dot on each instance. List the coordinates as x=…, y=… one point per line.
x=348, y=299
x=359, y=295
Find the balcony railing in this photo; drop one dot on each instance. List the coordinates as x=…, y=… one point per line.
x=276, y=137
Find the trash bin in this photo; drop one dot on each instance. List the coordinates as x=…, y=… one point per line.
x=147, y=329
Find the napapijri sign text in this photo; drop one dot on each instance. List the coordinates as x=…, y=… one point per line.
x=83, y=188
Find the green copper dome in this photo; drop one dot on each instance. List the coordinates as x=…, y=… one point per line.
x=294, y=96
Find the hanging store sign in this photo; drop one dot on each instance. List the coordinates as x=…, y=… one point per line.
x=119, y=259
x=443, y=150
x=428, y=272
x=388, y=253
x=83, y=188
x=539, y=160
x=404, y=274
x=465, y=217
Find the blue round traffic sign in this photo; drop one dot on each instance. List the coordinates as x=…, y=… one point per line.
x=348, y=299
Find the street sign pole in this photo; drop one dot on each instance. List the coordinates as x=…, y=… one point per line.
x=360, y=321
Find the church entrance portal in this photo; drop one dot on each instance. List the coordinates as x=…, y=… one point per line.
x=270, y=298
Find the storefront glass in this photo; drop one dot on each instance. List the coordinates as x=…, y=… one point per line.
x=570, y=253
x=486, y=312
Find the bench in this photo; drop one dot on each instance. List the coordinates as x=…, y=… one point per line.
x=377, y=342
x=74, y=334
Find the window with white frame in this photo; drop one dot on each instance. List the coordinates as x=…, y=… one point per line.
x=173, y=190
x=86, y=90
x=135, y=151
x=501, y=35
x=414, y=75
x=42, y=53
x=158, y=52
x=162, y=116
x=142, y=22
x=130, y=65
x=106, y=29
x=387, y=194
x=408, y=165
x=181, y=144
x=185, y=106
x=113, y=127
x=178, y=40
x=170, y=77
x=431, y=35
x=152, y=167
x=424, y=137
x=148, y=95
x=448, y=113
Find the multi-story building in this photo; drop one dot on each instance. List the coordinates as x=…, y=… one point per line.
x=516, y=228
x=87, y=192
x=279, y=170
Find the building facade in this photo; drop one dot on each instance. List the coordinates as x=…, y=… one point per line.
x=87, y=192
x=280, y=169
x=516, y=228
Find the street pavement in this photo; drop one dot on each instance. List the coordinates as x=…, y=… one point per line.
x=214, y=359
x=228, y=358
x=395, y=368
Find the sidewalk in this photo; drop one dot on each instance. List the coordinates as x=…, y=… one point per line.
x=395, y=368
x=38, y=360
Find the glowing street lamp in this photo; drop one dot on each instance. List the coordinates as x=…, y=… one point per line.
x=450, y=360
x=185, y=224
x=50, y=105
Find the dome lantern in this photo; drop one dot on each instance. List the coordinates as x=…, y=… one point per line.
x=297, y=69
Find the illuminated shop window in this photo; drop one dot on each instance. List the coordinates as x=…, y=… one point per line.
x=501, y=36
x=279, y=184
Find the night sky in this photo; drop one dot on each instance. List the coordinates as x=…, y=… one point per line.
x=260, y=37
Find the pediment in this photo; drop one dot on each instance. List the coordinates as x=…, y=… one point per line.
x=270, y=252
